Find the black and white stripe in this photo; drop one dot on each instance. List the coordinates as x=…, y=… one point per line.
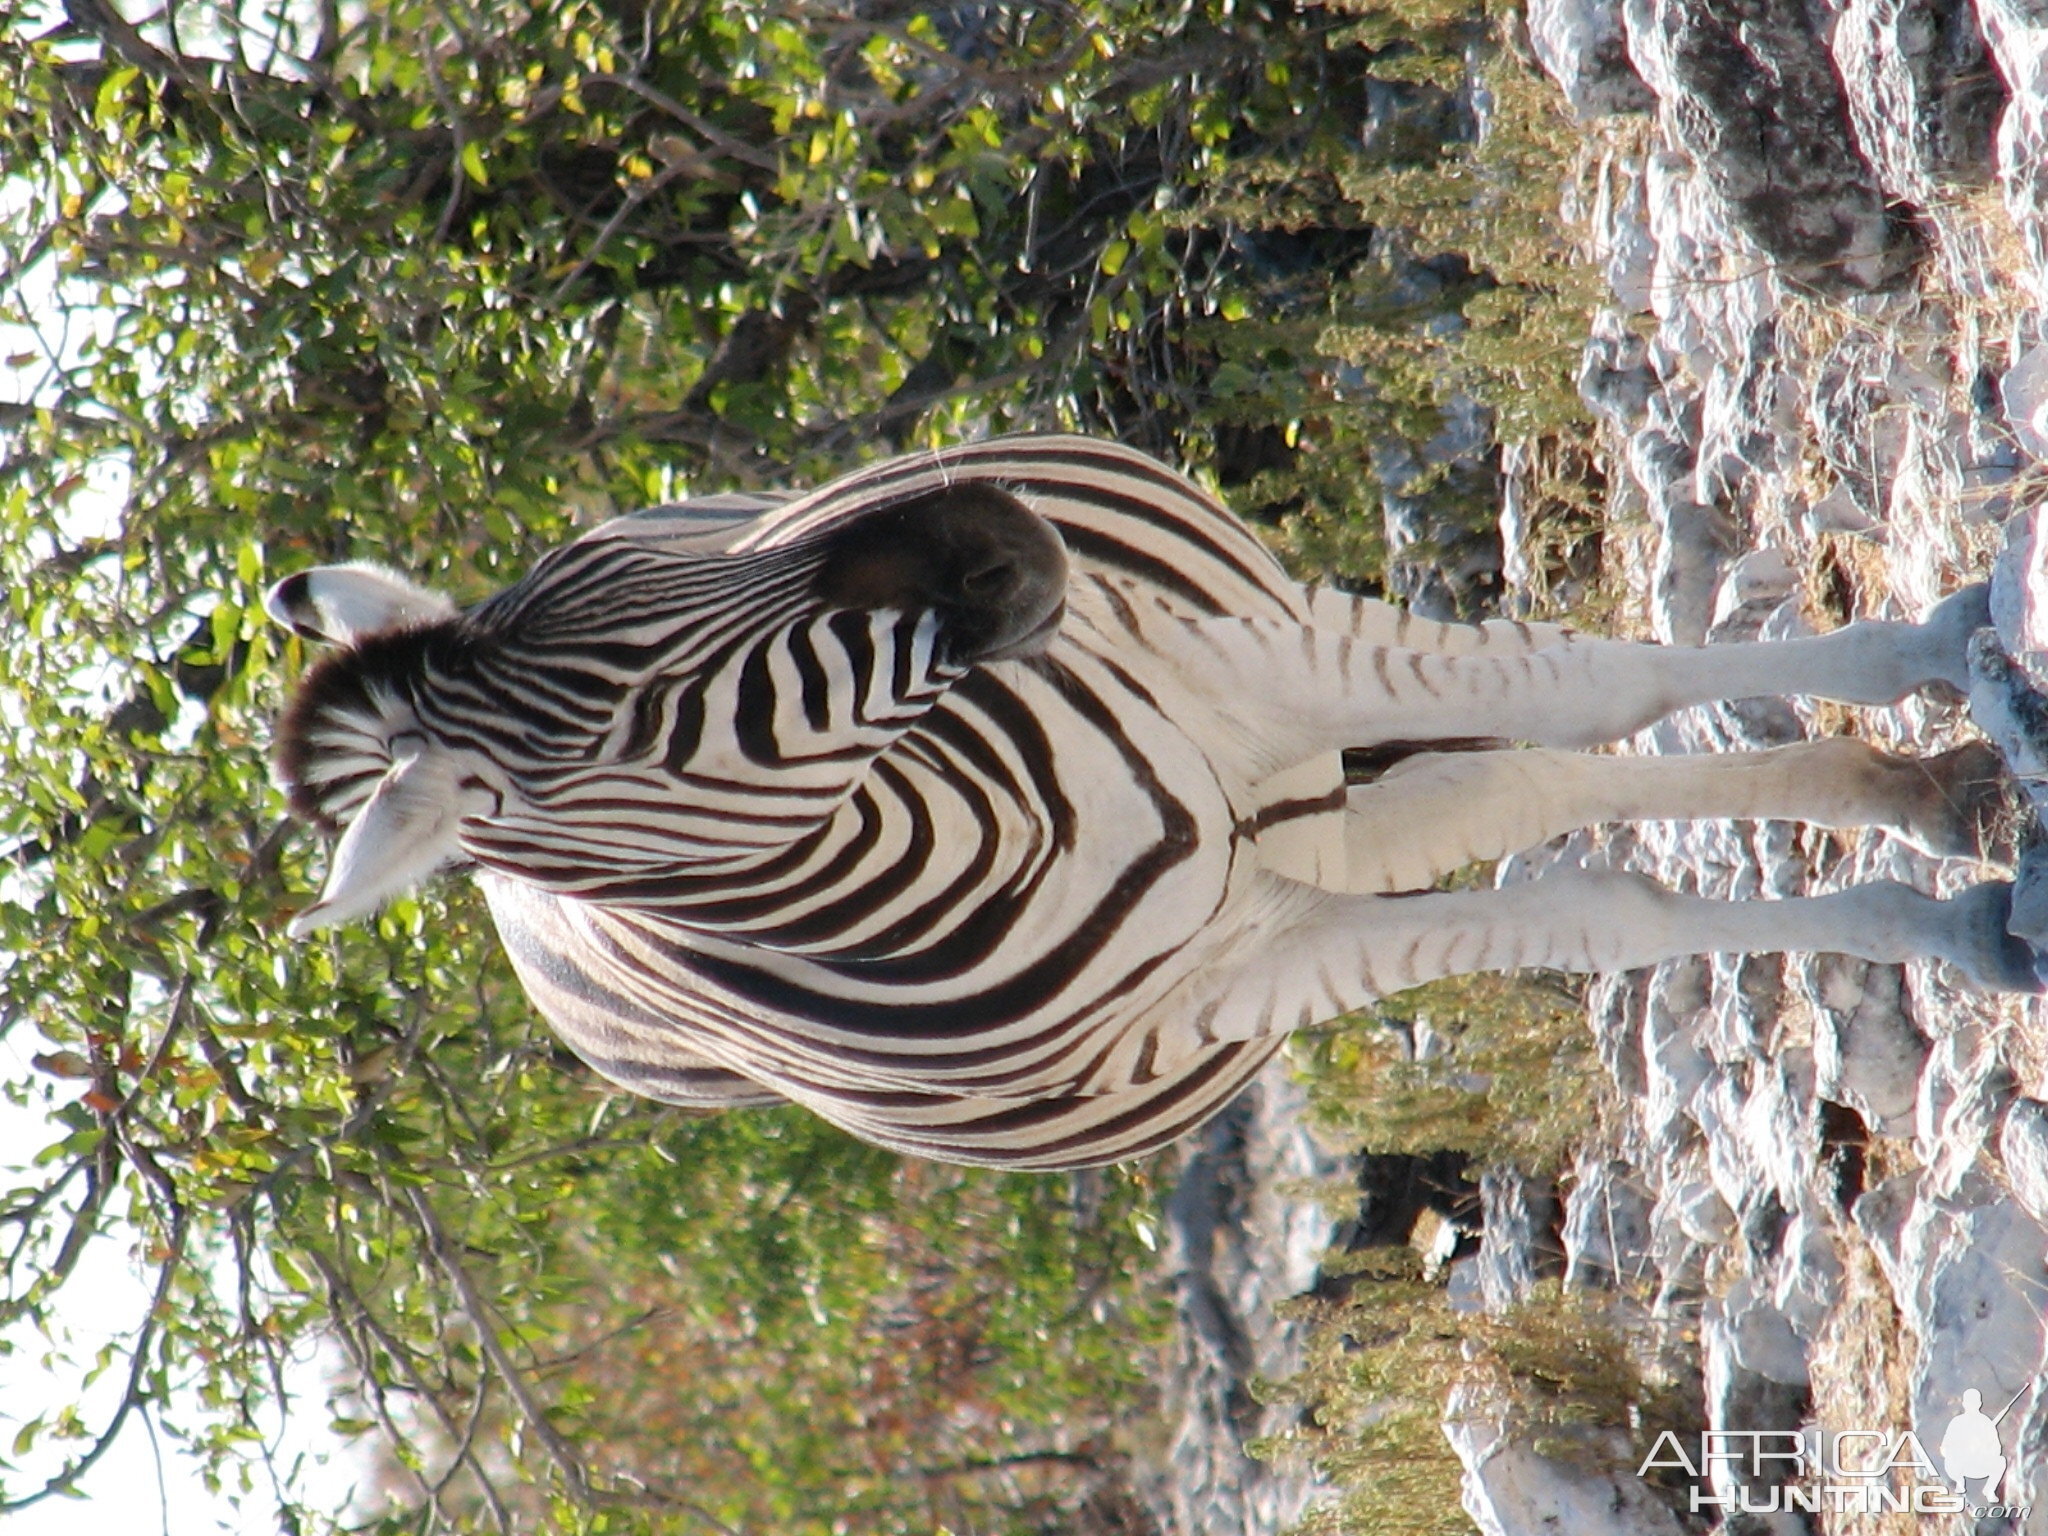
x=742, y=847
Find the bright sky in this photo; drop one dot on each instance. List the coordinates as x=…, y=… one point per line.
x=142, y=1485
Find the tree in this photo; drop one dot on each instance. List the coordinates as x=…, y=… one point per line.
x=437, y=283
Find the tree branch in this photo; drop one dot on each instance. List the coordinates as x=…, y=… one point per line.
x=739, y=149
x=485, y=1319
x=107, y=24
x=352, y=1312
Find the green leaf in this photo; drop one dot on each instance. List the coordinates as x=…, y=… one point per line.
x=225, y=623
x=113, y=92
x=288, y=1270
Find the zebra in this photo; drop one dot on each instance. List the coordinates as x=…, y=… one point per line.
x=992, y=802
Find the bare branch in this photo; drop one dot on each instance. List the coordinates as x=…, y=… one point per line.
x=174, y=1025
x=485, y=1318
x=224, y=1068
x=15, y=413
x=352, y=1313
x=980, y=1465
x=99, y=1170
x=739, y=149
x=638, y=195
x=133, y=1392
x=107, y=24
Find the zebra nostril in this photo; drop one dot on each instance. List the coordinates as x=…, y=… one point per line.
x=990, y=581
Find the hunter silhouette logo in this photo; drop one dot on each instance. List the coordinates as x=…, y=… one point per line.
x=1970, y=1448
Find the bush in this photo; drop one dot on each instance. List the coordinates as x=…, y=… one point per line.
x=438, y=285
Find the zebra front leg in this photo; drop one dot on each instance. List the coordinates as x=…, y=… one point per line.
x=1576, y=692
x=1437, y=812
x=1579, y=920
x=1321, y=955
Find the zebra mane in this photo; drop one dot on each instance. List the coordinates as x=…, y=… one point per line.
x=337, y=737
x=353, y=756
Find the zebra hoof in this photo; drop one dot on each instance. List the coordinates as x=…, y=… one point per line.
x=1946, y=633
x=1989, y=953
x=1968, y=806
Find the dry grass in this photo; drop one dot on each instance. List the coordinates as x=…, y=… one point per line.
x=1862, y=1375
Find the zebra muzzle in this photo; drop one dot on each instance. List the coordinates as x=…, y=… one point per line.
x=993, y=571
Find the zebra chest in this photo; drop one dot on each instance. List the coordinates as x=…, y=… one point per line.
x=1282, y=798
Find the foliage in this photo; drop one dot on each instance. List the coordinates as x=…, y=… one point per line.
x=435, y=284
x=1565, y=1372
x=1379, y=1366
x=1511, y=1077
x=1472, y=286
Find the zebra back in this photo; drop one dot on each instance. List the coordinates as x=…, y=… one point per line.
x=1118, y=511
x=703, y=525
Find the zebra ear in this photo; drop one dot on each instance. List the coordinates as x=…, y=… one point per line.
x=408, y=828
x=340, y=604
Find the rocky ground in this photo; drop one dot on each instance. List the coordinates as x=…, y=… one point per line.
x=1823, y=383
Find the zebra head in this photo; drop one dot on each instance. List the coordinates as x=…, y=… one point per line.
x=630, y=709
